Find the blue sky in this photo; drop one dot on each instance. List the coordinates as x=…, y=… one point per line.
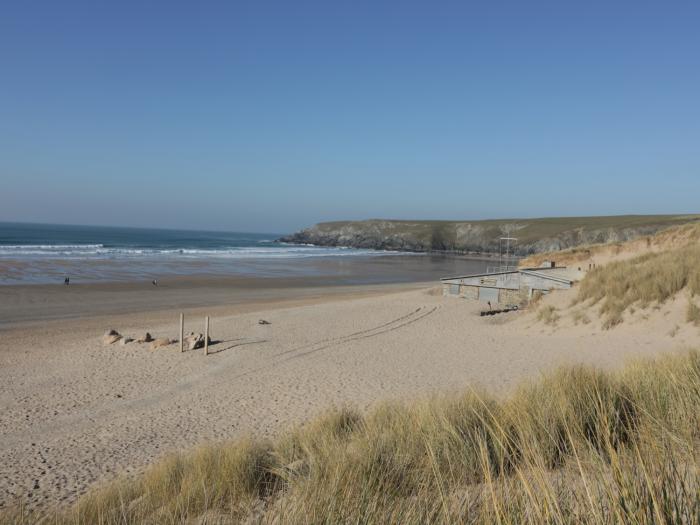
x=265, y=116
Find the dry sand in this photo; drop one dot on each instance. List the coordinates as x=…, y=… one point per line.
x=75, y=412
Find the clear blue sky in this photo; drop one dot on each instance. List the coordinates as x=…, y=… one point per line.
x=264, y=116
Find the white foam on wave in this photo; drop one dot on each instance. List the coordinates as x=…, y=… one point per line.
x=49, y=246
x=20, y=250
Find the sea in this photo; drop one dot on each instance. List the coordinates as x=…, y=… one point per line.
x=48, y=253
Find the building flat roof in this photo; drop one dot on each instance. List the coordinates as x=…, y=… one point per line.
x=478, y=275
x=545, y=276
x=530, y=271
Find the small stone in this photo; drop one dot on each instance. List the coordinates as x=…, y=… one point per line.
x=145, y=338
x=194, y=341
x=111, y=336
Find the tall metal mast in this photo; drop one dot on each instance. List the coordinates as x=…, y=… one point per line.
x=507, y=238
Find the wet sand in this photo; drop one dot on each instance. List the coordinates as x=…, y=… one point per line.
x=343, y=269
x=29, y=305
x=36, y=303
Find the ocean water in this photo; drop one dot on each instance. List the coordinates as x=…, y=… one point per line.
x=43, y=253
x=96, y=242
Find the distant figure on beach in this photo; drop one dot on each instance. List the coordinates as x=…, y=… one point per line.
x=66, y=281
x=489, y=303
x=155, y=282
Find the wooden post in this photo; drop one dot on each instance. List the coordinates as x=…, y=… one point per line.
x=206, y=336
x=182, y=332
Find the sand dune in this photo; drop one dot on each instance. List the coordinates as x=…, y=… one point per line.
x=76, y=412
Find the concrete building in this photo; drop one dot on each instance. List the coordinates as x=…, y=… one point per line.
x=510, y=287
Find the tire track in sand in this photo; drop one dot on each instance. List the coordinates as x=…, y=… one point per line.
x=342, y=337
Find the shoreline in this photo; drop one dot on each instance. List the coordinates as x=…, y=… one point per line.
x=467, y=254
x=350, y=269
x=297, y=279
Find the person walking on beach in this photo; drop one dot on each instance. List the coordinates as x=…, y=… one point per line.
x=155, y=282
x=66, y=281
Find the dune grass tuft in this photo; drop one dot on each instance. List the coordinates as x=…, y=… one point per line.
x=548, y=315
x=581, y=445
x=580, y=317
x=692, y=314
x=230, y=477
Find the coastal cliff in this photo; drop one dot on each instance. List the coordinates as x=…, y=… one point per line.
x=533, y=235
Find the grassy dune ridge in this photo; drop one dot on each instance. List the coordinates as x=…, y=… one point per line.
x=649, y=279
x=579, y=445
x=666, y=239
x=669, y=265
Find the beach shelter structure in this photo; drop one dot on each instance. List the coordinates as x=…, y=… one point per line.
x=512, y=286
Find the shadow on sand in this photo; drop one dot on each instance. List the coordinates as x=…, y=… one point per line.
x=216, y=347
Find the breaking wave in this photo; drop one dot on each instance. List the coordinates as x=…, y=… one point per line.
x=99, y=251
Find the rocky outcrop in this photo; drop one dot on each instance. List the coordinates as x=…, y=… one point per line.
x=483, y=237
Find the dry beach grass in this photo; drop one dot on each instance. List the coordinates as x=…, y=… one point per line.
x=579, y=446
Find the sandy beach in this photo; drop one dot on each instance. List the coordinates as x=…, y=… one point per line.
x=76, y=412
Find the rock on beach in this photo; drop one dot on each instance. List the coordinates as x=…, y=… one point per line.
x=111, y=336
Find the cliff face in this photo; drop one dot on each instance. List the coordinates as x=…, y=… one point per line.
x=533, y=235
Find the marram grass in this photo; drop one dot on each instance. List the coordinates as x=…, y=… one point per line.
x=643, y=281
x=579, y=446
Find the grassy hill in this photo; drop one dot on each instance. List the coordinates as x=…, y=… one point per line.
x=533, y=235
